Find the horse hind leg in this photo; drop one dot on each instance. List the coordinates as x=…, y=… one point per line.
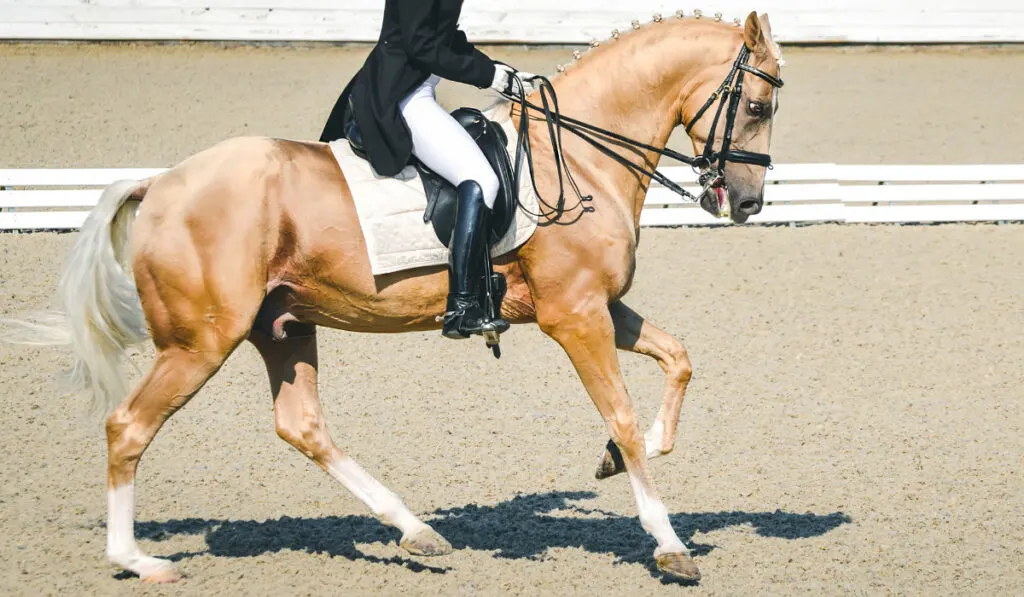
x=299, y=419
x=176, y=376
x=195, y=328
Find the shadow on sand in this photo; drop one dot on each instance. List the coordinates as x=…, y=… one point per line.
x=524, y=527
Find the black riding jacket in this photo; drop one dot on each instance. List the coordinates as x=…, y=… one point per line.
x=418, y=38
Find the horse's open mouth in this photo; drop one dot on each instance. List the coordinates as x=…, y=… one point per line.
x=715, y=199
x=722, y=194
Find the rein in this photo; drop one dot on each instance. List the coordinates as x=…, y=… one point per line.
x=730, y=90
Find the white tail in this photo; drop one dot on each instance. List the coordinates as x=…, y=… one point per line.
x=102, y=315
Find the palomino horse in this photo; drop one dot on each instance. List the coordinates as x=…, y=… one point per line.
x=261, y=234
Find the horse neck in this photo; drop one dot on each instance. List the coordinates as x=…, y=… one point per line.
x=637, y=86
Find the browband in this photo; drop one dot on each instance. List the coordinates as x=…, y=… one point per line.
x=773, y=81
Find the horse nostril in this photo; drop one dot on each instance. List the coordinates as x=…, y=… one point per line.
x=750, y=206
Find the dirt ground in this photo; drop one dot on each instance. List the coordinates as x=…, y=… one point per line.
x=855, y=424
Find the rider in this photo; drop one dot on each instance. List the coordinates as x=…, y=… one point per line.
x=392, y=100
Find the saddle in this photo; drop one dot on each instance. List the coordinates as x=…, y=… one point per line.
x=441, y=195
x=442, y=198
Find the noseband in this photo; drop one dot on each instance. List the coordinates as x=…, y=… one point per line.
x=710, y=164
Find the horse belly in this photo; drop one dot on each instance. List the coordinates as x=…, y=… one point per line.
x=400, y=302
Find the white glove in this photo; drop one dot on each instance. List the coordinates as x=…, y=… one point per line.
x=504, y=76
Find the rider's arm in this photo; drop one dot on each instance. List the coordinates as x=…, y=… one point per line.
x=462, y=45
x=424, y=48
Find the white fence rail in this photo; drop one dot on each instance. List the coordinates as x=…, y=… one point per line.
x=516, y=21
x=806, y=193
x=60, y=199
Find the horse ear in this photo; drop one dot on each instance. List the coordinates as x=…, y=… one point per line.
x=753, y=37
x=772, y=47
x=766, y=28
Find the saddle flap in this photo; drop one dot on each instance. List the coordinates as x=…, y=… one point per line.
x=441, y=194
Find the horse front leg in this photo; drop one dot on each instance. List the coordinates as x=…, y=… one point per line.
x=587, y=334
x=635, y=334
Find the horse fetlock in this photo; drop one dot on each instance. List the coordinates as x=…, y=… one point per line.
x=657, y=442
x=673, y=546
x=655, y=451
x=124, y=558
x=149, y=569
x=388, y=508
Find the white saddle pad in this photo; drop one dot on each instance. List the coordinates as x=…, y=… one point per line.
x=391, y=213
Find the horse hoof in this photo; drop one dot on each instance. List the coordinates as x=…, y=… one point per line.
x=163, y=575
x=611, y=463
x=679, y=566
x=426, y=543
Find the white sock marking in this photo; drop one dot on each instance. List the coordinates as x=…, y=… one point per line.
x=121, y=547
x=381, y=501
x=654, y=519
x=653, y=439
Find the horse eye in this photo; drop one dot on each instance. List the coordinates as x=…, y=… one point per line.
x=756, y=108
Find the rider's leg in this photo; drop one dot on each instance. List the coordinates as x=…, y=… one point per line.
x=443, y=145
x=465, y=313
x=446, y=148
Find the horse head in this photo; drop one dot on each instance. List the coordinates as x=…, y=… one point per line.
x=739, y=127
x=719, y=80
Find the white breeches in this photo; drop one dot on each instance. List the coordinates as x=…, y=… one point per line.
x=443, y=145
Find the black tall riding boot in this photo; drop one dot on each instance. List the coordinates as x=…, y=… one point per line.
x=465, y=314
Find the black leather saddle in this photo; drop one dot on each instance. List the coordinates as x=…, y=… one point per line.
x=441, y=195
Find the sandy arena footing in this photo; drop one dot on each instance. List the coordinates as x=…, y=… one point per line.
x=855, y=424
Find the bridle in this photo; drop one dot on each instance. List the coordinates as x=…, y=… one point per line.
x=731, y=89
x=709, y=165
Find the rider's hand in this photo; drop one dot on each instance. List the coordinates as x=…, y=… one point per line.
x=507, y=80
